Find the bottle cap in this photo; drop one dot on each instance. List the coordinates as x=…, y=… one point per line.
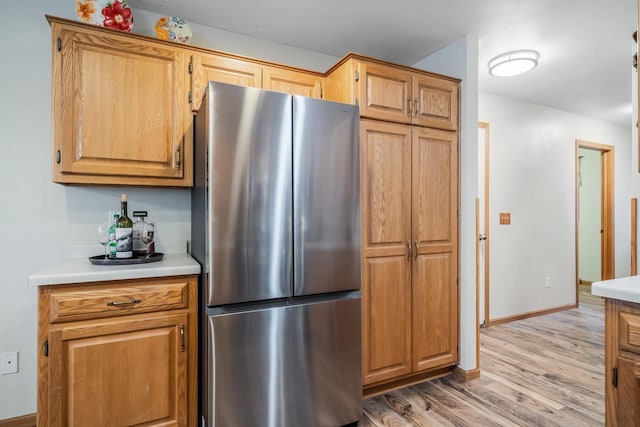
x=141, y=214
x=124, y=197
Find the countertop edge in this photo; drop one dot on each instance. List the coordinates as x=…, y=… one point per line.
x=80, y=270
x=623, y=289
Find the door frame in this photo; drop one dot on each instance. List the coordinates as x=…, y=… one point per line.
x=487, y=317
x=607, y=242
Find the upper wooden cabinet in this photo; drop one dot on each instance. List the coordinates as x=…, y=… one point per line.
x=221, y=69
x=395, y=93
x=292, y=81
x=120, y=109
x=248, y=73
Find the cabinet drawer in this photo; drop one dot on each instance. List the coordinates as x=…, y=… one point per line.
x=95, y=301
x=629, y=331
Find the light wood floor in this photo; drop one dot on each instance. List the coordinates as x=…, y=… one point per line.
x=542, y=371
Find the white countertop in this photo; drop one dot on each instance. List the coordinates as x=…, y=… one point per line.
x=80, y=270
x=624, y=289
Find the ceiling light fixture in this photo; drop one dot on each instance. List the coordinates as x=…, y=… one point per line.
x=513, y=63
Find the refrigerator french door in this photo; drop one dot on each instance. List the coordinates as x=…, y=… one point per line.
x=276, y=227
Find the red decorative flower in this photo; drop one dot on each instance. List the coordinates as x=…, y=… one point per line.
x=117, y=15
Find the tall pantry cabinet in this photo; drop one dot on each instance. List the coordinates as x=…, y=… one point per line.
x=409, y=188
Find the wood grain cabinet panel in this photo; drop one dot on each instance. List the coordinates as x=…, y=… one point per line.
x=386, y=303
x=622, y=363
x=394, y=93
x=409, y=198
x=627, y=391
x=120, y=109
x=121, y=372
x=134, y=364
x=434, y=228
x=205, y=68
x=435, y=102
x=292, y=82
x=385, y=93
x=386, y=178
x=386, y=286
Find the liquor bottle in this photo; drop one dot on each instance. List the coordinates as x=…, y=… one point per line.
x=113, y=218
x=124, y=232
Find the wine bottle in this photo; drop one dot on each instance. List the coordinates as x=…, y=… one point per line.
x=124, y=232
x=113, y=218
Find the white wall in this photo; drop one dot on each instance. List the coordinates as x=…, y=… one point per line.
x=635, y=176
x=38, y=217
x=590, y=215
x=460, y=60
x=532, y=155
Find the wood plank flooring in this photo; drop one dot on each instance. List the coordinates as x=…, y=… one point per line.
x=543, y=371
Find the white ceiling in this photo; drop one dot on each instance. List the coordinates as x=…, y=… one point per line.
x=585, y=46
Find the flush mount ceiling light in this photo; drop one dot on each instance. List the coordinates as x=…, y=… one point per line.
x=513, y=63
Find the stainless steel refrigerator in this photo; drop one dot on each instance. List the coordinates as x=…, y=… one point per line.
x=276, y=228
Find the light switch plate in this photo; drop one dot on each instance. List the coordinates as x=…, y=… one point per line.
x=505, y=218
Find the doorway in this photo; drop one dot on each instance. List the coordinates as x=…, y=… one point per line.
x=482, y=227
x=594, y=213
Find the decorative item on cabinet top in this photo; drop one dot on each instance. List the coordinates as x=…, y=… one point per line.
x=110, y=14
x=174, y=29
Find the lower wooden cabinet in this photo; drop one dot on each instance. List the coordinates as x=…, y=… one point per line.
x=118, y=353
x=409, y=198
x=622, y=363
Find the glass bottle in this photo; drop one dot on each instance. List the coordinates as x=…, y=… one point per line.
x=113, y=219
x=139, y=248
x=124, y=232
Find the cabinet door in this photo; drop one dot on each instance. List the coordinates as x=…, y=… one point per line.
x=292, y=82
x=435, y=239
x=221, y=69
x=119, y=108
x=386, y=282
x=435, y=102
x=627, y=394
x=127, y=371
x=384, y=93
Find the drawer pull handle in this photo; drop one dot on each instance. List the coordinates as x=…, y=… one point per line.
x=119, y=303
x=181, y=337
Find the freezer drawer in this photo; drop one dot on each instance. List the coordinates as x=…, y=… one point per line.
x=285, y=366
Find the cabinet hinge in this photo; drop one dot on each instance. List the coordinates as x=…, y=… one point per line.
x=59, y=44
x=614, y=377
x=58, y=156
x=190, y=97
x=190, y=67
x=45, y=348
x=357, y=75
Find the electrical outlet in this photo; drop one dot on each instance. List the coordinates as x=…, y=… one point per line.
x=547, y=282
x=8, y=362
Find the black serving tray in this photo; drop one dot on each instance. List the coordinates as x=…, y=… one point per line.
x=137, y=259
